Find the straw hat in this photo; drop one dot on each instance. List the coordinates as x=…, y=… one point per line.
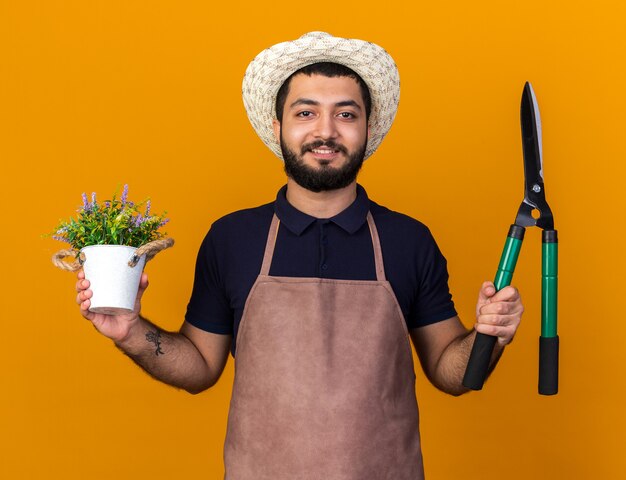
x=267, y=72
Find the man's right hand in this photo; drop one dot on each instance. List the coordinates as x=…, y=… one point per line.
x=115, y=327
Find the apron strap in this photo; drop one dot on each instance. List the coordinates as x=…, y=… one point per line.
x=378, y=253
x=271, y=244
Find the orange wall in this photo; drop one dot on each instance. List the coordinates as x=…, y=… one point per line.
x=97, y=94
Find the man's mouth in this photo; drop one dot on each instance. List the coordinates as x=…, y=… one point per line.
x=323, y=151
x=324, y=155
x=326, y=150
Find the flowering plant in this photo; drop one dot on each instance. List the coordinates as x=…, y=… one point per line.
x=114, y=222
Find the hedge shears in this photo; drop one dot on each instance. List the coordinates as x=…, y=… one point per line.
x=534, y=211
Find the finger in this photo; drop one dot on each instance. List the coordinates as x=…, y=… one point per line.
x=84, y=310
x=497, y=320
x=81, y=274
x=82, y=285
x=83, y=295
x=501, y=308
x=504, y=334
x=507, y=294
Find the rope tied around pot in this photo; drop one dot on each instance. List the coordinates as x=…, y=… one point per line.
x=58, y=259
x=149, y=250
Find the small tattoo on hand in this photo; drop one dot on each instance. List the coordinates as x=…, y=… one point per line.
x=155, y=337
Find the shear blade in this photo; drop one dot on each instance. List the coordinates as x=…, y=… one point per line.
x=534, y=194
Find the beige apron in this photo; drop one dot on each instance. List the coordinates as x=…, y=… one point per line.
x=324, y=382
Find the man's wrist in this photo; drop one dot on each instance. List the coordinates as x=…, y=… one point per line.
x=131, y=342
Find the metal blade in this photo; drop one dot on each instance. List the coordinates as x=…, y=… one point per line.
x=531, y=137
x=534, y=194
x=537, y=126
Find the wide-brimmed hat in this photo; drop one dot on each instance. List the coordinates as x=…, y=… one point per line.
x=268, y=71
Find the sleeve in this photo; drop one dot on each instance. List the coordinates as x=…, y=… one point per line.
x=209, y=308
x=433, y=301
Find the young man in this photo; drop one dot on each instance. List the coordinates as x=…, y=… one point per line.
x=317, y=293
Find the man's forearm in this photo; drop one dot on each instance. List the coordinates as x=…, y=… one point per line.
x=167, y=356
x=453, y=362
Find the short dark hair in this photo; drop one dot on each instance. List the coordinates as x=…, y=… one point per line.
x=326, y=69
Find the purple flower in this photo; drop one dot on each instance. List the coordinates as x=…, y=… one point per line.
x=164, y=222
x=93, y=199
x=60, y=239
x=88, y=207
x=124, y=195
x=107, y=204
x=138, y=220
x=147, y=208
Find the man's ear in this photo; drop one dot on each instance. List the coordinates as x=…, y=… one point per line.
x=276, y=127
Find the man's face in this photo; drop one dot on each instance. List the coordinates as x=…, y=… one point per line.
x=323, y=133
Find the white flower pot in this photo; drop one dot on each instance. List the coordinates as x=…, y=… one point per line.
x=113, y=282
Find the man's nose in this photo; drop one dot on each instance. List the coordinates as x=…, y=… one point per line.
x=326, y=127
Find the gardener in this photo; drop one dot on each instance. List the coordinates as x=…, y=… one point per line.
x=316, y=293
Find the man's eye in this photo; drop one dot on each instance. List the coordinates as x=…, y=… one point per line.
x=306, y=113
x=346, y=115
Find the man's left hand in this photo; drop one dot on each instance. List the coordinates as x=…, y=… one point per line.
x=498, y=313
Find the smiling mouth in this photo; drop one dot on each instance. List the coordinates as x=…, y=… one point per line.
x=323, y=151
x=324, y=156
x=327, y=150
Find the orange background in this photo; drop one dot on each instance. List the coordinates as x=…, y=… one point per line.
x=97, y=94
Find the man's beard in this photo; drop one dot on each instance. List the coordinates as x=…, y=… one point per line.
x=326, y=177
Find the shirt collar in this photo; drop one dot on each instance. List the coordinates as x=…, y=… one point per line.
x=350, y=219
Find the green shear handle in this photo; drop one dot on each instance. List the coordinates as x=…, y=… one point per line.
x=549, y=340
x=480, y=357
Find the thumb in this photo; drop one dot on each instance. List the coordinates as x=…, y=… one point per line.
x=143, y=284
x=487, y=290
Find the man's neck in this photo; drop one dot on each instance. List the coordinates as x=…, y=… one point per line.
x=320, y=204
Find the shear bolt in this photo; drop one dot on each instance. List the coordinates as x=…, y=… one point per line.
x=536, y=188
